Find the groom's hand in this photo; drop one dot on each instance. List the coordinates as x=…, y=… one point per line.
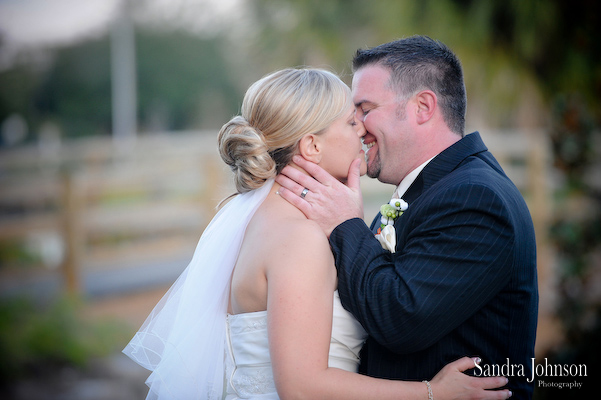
x=322, y=198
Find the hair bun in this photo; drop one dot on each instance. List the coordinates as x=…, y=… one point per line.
x=243, y=148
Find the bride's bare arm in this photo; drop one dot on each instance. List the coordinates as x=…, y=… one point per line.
x=301, y=280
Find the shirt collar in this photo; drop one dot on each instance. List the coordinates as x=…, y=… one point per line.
x=409, y=179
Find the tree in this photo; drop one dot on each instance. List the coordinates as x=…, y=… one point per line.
x=184, y=82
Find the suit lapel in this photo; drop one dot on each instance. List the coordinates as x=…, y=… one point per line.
x=439, y=167
x=451, y=158
x=415, y=189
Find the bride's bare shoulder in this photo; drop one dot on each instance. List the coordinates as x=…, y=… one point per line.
x=295, y=251
x=283, y=224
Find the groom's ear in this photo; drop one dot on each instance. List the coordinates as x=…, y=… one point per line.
x=310, y=148
x=426, y=105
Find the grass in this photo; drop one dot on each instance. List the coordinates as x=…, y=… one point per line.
x=35, y=338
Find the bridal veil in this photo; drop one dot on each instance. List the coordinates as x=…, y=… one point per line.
x=182, y=340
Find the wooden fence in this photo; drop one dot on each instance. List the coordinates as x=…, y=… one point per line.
x=86, y=211
x=88, y=206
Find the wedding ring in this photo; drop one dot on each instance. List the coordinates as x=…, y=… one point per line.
x=304, y=193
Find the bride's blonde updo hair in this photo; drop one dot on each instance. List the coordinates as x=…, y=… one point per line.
x=277, y=111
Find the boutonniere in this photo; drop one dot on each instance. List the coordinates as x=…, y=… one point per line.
x=390, y=212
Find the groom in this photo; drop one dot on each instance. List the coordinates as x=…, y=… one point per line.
x=462, y=280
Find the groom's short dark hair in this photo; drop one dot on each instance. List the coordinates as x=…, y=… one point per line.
x=419, y=63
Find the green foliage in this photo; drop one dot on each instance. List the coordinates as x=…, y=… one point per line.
x=17, y=87
x=506, y=46
x=14, y=252
x=573, y=127
x=527, y=63
x=184, y=82
x=35, y=337
x=577, y=238
x=76, y=91
x=188, y=82
x=512, y=51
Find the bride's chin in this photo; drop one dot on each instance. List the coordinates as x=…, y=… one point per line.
x=363, y=168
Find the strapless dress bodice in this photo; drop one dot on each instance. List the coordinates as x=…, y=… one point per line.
x=248, y=363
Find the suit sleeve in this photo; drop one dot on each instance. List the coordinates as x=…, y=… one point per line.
x=453, y=255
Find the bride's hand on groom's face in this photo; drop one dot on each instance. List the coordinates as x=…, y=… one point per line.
x=451, y=383
x=327, y=201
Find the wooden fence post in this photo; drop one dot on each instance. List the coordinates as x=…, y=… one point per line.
x=72, y=234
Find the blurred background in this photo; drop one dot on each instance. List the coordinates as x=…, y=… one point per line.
x=109, y=111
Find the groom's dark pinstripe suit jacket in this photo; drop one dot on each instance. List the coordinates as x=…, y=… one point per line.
x=461, y=282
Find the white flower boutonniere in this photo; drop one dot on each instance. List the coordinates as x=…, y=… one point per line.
x=390, y=212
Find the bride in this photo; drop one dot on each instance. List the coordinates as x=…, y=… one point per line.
x=256, y=313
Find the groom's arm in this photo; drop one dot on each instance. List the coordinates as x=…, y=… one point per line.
x=449, y=265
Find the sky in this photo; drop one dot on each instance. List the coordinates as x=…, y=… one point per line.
x=40, y=23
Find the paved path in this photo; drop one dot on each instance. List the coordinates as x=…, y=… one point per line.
x=112, y=378
x=127, y=277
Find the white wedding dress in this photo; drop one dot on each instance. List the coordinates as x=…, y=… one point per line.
x=248, y=364
x=188, y=334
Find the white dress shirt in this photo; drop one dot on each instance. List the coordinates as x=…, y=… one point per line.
x=408, y=180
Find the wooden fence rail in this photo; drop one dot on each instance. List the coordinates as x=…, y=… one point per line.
x=97, y=206
x=84, y=207
x=89, y=204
